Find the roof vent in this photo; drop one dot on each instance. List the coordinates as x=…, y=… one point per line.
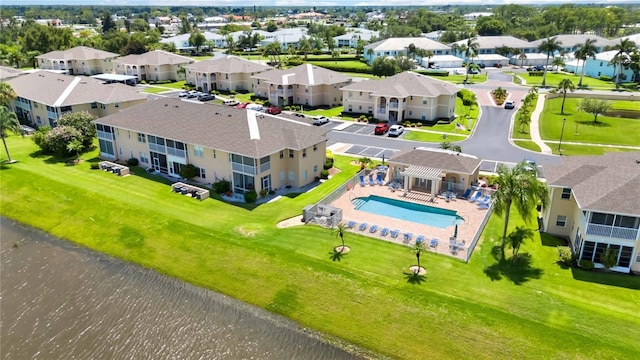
x=176, y=106
x=166, y=104
x=637, y=161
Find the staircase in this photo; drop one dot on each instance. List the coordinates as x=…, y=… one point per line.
x=358, y=202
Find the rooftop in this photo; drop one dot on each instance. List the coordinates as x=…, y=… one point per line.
x=228, y=65
x=9, y=72
x=239, y=131
x=439, y=159
x=395, y=44
x=493, y=42
x=404, y=84
x=573, y=40
x=305, y=74
x=78, y=53
x=606, y=183
x=155, y=57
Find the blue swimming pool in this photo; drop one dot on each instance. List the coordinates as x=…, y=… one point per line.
x=403, y=210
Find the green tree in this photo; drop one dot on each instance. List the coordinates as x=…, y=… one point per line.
x=304, y=46
x=565, y=85
x=383, y=66
x=75, y=147
x=549, y=47
x=272, y=51
x=517, y=237
x=594, y=107
x=271, y=26
x=8, y=123
x=83, y=122
x=586, y=50
x=524, y=119
x=558, y=62
x=518, y=186
x=185, y=28
x=335, y=55
x=417, y=249
x=412, y=51
x=609, y=258
x=7, y=94
x=197, y=39
x=522, y=57
x=622, y=57
x=490, y=26
x=189, y=171
x=107, y=23
x=470, y=50
x=447, y=145
x=339, y=230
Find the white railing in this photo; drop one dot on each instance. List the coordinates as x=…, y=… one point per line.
x=393, y=105
x=382, y=110
x=105, y=135
x=247, y=169
x=612, y=231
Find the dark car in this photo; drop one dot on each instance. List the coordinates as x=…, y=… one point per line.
x=381, y=129
x=206, y=97
x=509, y=104
x=298, y=115
x=538, y=68
x=482, y=66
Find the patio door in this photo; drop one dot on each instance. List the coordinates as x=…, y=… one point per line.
x=158, y=161
x=266, y=183
x=174, y=168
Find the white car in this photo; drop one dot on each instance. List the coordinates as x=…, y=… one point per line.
x=458, y=72
x=320, y=120
x=231, y=102
x=396, y=130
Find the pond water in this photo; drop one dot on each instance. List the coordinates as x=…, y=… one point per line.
x=60, y=301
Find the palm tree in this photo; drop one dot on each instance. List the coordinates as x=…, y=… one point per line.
x=6, y=94
x=518, y=186
x=8, y=122
x=522, y=57
x=625, y=48
x=524, y=118
x=548, y=46
x=74, y=147
x=370, y=53
x=428, y=54
x=557, y=62
x=586, y=50
x=417, y=249
x=340, y=229
x=517, y=237
x=447, y=145
x=335, y=55
x=565, y=85
x=470, y=49
x=411, y=51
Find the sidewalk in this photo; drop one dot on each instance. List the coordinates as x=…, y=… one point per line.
x=534, y=127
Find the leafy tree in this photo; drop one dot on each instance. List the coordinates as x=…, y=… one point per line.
x=557, y=62
x=75, y=147
x=271, y=26
x=490, y=26
x=185, y=28
x=520, y=187
x=549, y=47
x=331, y=43
x=139, y=25
x=272, y=51
x=609, y=258
x=335, y=55
x=107, y=23
x=340, y=229
x=565, y=85
x=404, y=63
x=40, y=139
x=594, y=107
x=411, y=51
x=61, y=136
x=189, y=171
x=8, y=123
x=517, y=237
x=383, y=66
x=197, y=39
x=83, y=122
x=304, y=46
x=522, y=57
x=447, y=145
x=7, y=95
x=586, y=50
x=635, y=64
x=115, y=42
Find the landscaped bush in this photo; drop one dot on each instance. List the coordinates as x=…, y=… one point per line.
x=586, y=264
x=221, y=186
x=565, y=254
x=132, y=162
x=536, y=73
x=189, y=171
x=324, y=174
x=95, y=166
x=328, y=164
x=433, y=72
x=467, y=97
x=251, y=196
x=263, y=192
x=352, y=67
x=605, y=78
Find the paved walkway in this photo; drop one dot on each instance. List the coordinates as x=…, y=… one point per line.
x=534, y=126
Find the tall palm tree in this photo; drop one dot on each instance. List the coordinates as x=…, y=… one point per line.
x=6, y=94
x=622, y=57
x=586, y=50
x=417, y=249
x=340, y=229
x=370, y=53
x=469, y=49
x=549, y=47
x=522, y=57
x=557, y=62
x=520, y=187
x=565, y=85
x=411, y=51
x=524, y=119
x=428, y=54
x=8, y=122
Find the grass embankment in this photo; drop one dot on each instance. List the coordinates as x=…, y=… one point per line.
x=155, y=88
x=452, y=134
x=527, y=144
x=572, y=149
x=553, y=79
x=459, y=79
x=580, y=126
x=485, y=309
x=523, y=132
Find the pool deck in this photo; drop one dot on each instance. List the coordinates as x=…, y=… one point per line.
x=469, y=211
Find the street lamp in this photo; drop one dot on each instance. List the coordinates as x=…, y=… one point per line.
x=561, y=132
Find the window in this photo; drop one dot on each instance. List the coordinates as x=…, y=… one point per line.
x=304, y=175
x=315, y=147
x=116, y=105
x=315, y=169
x=350, y=94
x=601, y=219
x=561, y=221
x=281, y=154
x=144, y=158
x=424, y=101
x=142, y=138
x=566, y=193
x=202, y=172
x=304, y=153
x=291, y=153
x=360, y=93
x=198, y=151
x=283, y=176
x=292, y=176
x=214, y=153
x=102, y=106
x=411, y=97
x=350, y=108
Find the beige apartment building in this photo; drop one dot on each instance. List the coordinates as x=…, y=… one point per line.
x=301, y=85
x=250, y=149
x=79, y=60
x=404, y=96
x=594, y=203
x=227, y=74
x=157, y=65
x=44, y=96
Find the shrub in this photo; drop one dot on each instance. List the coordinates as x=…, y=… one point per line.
x=40, y=139
x=605, y=78
x=565, y=254
x=328, y=154
x=263, y=192
x=221, y=186
x=536, y=73
x=132, y=162
x=328, y=165
x=433, y=72
x=324, y=174
x=251, y=196
x=189, y=171
x=586, y=264
x=95, y=166
x=342, y=67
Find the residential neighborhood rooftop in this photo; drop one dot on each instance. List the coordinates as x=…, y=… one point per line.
x=572, y=40
x=305, y=74
x=228, y=65
x=239, y=131
x=438, y=159
x=78, y=53
x=392, y=44
x=155, y=57
x=610, y=182
x=9, y=72
x=492, y=42
x=404, y=84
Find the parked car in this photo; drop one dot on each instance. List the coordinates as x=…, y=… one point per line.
x=497, y=65
x=509, y=104
x=458, y=72
x=396, y=130
x=320, y=120
x=193, y=94
x=381, y=129
x=231, y=102
x=242, y=105
x=274, y=110
x=255, y=107
x=183, y=94
x=27, y=130
x=538, y=68
x=206, y=97
x=482, y=66
x=530, y=163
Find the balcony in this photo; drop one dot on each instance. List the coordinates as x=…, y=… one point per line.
x=612, y=231
x=281, y=92
x=393, y=105
x=382, y=110
x=105, y=135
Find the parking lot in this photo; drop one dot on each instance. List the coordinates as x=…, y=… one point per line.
x=370, y=151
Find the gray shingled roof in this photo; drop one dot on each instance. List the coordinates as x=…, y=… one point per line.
x=63, y=90
x=228, y=65
x=569, y=41
x=216, y=126
x=395, y=44
x=492, y=42
x=305, y=74
x=609, y=183
x=438, y=159
x=155, y=57
x=404, y=84
x=78, y=53
x=9, y=72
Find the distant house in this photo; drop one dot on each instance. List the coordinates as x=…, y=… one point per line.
x=7, y=73
x=594, y=203
x=400, y=46
x=44, y=96
x=154, y=65
x=350, y=39
x=476, y=15
x=229, y=73
x=253, y=151
x=79, y=60
x=434, y=170
x=434, y=35
x=404, y=96
x=182, y=41
x=289, y=37
x=571, y=42
x=601, y=66
x=635, y=38
x=533, y=59
x=490, y=44
x=302, y=85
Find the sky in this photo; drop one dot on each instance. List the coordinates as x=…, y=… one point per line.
x=317, y=3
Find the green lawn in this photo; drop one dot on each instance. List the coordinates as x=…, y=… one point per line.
x=571, y=149
x=155, y=90
x=459, y=79
x=432, y=137
x=527, y=144
x=330, y=113
x=453, y=134
x=553, y=79
x=580, y=126
x=532, y=309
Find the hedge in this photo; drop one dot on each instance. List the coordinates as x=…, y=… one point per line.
x=536, y=73
x=432, y=72
x=364, y=69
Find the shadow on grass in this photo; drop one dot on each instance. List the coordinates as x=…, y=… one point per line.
x=336, y=255
x=516, y=270
x=551, y=241
x=292, y=195
x=415, y=279
x=594, y=124
x=612, y=279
